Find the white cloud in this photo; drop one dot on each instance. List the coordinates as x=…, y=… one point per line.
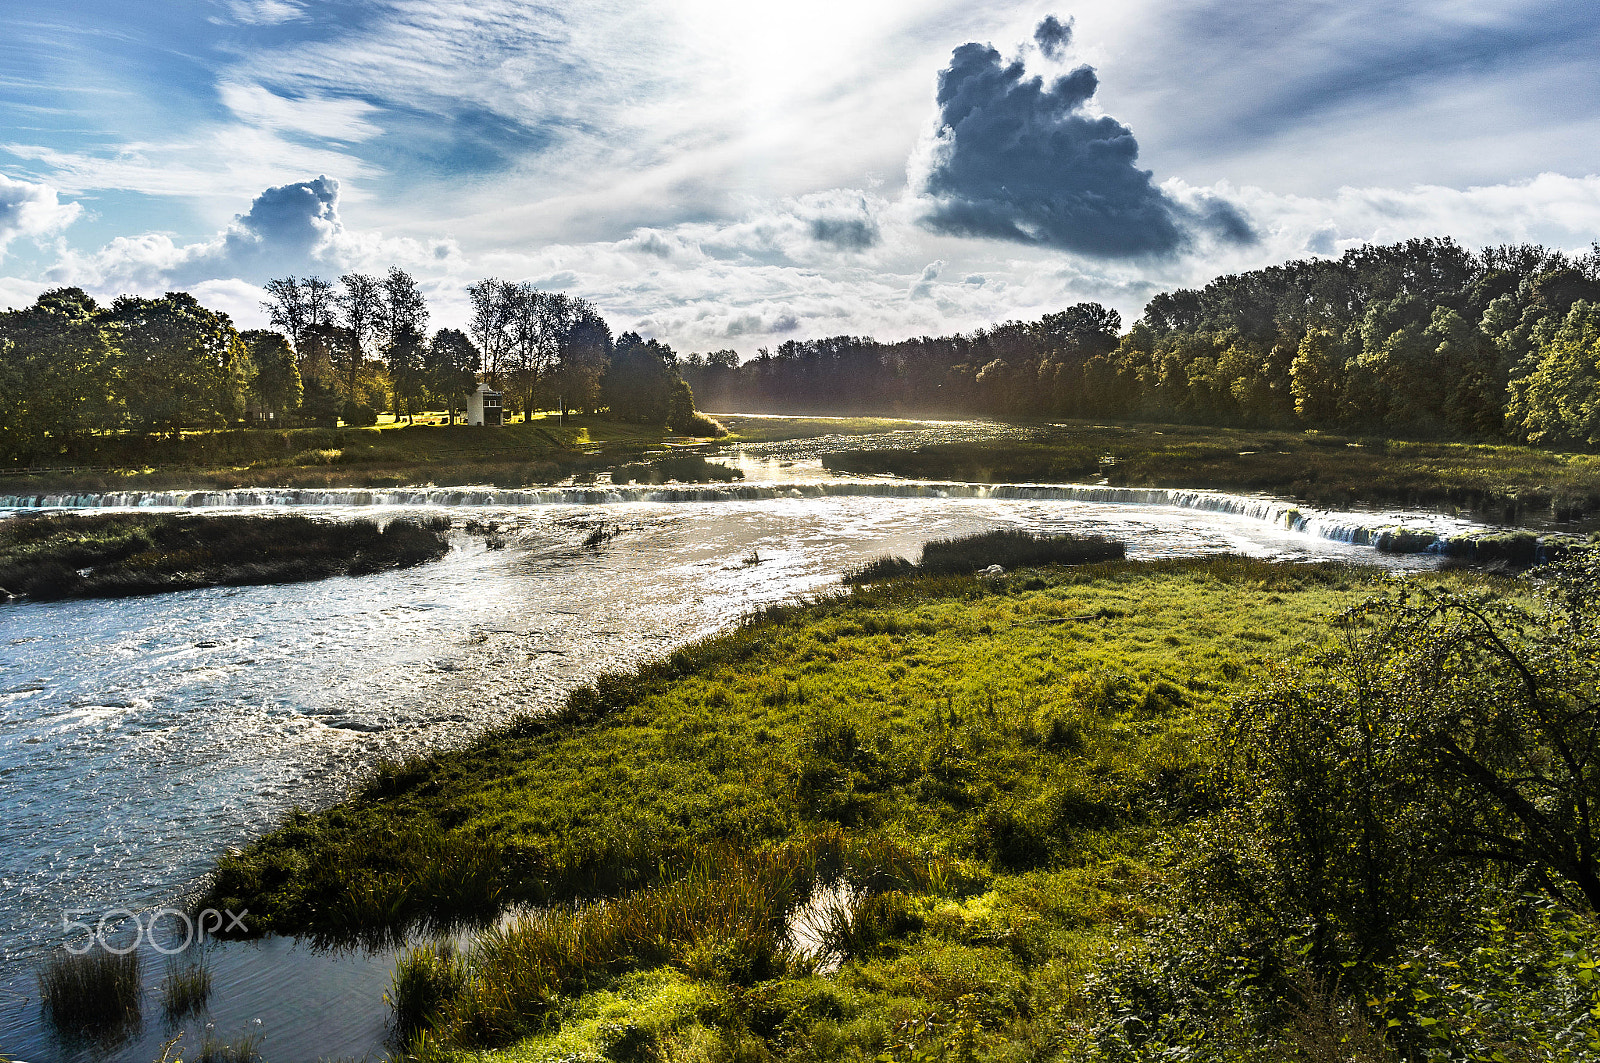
x=330, y=119
x=265, y=12
x=217, y=166
x=31, y=211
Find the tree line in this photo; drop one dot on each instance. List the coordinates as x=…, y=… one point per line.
x=345, y=349
x=1421, y=338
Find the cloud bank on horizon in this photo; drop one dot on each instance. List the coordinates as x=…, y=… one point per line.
x=722, y=176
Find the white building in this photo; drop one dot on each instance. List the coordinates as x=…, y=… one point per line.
x=483, y=406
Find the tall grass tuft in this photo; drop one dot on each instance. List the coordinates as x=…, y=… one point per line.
x=95, y=988
x=1008, y=547
x=185, y=989
x=724, y=915
x=246, y=1048
x=427, y=980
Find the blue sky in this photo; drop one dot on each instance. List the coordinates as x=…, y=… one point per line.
x=726, y=174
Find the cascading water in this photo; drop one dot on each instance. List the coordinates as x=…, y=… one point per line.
x=1411, y=533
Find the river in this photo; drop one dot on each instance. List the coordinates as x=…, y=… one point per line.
x=140, y=738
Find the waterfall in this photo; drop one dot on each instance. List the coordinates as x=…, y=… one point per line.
x=1356, y=529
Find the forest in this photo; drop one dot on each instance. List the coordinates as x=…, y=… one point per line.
x=71, y=369
x=1423, y=339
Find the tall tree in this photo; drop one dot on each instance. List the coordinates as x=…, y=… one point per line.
x=181, y=365
x=494, y=311
x=274, y=383
x=303, y=310
x=361, y=311
x=58, y=374
x=405, y=327
x=451, y=365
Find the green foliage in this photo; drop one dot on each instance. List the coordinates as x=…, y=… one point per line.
x=641, y=383
x=1443, y=733
x=1555, y=396
x=118, y=554
x=1504, y=481
x=185, y=989
x=1418, y=339
x=93, y=988
x=1361, y=894
x=1008, y=548
x=274, y=376
x=182, y=366
x=59, y=374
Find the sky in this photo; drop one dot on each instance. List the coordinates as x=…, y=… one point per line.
x=725, y=174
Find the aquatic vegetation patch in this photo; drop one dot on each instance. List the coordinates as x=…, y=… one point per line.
x=89, y=989
x=1009, y=548
x=185, y=989
x=678, y=468
x=108, y=555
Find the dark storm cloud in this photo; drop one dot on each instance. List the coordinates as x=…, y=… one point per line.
x=1018, y=160
x=1053, y=36
x=847, y=234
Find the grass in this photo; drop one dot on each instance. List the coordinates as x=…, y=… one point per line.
x=1008, y=548
x=683, y=468
x=185, y=989
x=542, y=450
x=75, y=555
x=1501, y=481
x=246, y=1048
x=999, y=763
x=96, y=988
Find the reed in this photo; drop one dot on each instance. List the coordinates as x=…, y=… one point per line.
x=1008, y=548
x=246, y=1048
x=112, y=555
x=96, y=988
x=185, y=989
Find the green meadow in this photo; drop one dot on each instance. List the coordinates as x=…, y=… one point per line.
x=1498, y=481
x=983, y=790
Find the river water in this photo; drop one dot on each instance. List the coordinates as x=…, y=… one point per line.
x=140, y=738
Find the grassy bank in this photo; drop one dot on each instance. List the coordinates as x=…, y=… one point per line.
x=1501, y=482
x=543, y=450
x=110, y=555
x=1000, y=770
x=540, y=451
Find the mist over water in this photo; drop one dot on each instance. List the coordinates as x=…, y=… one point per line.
x=140, y=738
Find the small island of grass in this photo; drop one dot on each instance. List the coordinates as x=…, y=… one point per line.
x=116, y=555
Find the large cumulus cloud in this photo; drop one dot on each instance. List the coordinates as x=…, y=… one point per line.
x=31, y=210
x=1017, y=159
